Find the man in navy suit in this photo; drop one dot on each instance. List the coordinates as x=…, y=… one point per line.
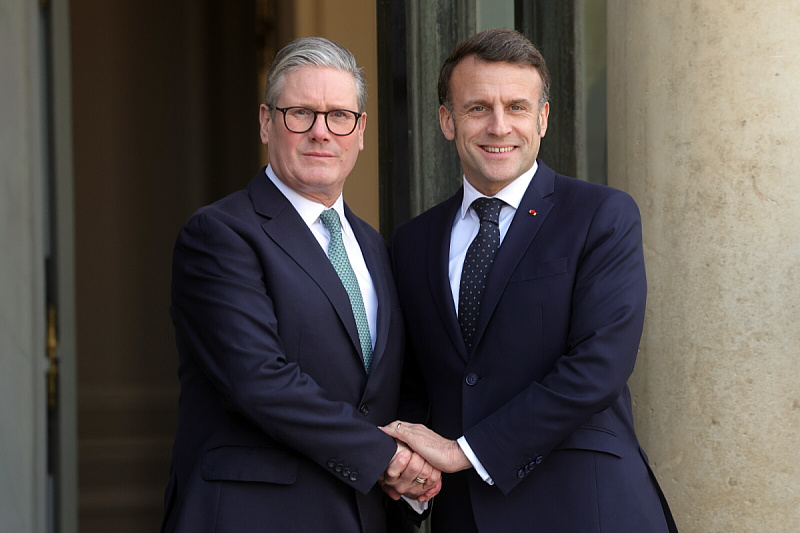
x=524, y=296
x=289, y=331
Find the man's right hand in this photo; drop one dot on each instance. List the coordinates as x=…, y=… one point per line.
x=404, y=473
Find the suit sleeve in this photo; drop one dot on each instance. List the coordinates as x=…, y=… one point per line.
x=608, y=303
x=223, y=313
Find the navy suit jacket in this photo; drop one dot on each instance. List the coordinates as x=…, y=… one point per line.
x=542, y=396
x=278, y=419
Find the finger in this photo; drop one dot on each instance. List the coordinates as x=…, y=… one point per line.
x=393, y=494
x=413, y=470
x=432, y=477
x=394, y=428
x=426, y=474
x=405, y=484
x=412, y=434
x=408, y=483
x=429, y=494
x=397, y=466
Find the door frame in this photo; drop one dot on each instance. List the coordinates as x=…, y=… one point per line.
x=62, y=213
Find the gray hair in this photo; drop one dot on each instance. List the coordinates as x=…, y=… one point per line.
x=316, y=52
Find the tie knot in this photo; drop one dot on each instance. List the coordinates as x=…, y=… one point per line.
x=330, y=218
x=488, y=209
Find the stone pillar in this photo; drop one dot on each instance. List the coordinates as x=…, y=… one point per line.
x=703, y=115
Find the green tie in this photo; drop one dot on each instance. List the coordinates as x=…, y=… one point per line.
x=338, y=256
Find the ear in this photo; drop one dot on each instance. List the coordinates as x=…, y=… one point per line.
x=265, y=119
x=446, y=123
x=360, y=129
x=544, y=113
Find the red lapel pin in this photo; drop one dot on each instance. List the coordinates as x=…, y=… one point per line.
x=532, y=212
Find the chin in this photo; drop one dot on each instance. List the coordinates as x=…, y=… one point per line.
x=501, y=179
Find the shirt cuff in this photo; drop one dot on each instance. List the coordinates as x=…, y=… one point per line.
x=418, y=507
x=474, y=460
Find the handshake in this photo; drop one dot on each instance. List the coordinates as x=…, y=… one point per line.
x=422, y=455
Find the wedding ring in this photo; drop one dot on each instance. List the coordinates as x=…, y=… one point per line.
x=398, y=425
x=420, y=480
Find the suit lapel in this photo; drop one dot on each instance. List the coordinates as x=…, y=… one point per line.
x=438, y=269
x=288, y=230
x=377, y=268
x=521, y=232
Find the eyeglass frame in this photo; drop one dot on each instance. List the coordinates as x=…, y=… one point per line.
x=317, y=114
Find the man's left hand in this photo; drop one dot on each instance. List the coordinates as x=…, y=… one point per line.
x=444, y=454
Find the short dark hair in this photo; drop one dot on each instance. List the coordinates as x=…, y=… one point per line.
x=494, y=46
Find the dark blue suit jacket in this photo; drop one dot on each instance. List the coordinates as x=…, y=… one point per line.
x=278, y=419
x=542, y=397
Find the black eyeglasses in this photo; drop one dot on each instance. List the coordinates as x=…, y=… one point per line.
x=298, y=119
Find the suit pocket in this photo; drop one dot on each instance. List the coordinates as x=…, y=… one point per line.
x=528, y=270
x=250, y=463
x=594, y=439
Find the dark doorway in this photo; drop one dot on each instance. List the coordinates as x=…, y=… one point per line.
x=165, y=98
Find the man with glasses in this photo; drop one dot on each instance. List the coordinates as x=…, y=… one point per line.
x=289, y=331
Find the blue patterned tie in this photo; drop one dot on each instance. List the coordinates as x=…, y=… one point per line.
x=480, y=256
x=338, y=256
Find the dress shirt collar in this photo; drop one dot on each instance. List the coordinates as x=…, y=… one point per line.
x=309, y=210
x=511, y=194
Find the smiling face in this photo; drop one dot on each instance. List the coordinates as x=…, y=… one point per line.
x=317, y=162
x=496, y=121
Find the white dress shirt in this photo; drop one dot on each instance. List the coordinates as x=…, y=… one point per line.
x=465, y=228
x=310, y=211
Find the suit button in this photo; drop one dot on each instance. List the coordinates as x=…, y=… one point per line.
x=472, y=379
x=354, y=476
x=346, y=472
x=364, y=409
x=520, y=474
x=538, y=459
x=331, y=463
x=339, y=467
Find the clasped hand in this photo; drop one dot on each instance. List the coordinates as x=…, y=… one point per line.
x=410, y=475
x=422, y=455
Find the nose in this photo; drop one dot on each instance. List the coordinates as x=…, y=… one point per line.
x=499, y=124
x=319, y=129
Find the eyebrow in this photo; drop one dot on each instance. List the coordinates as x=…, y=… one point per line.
x=524, y=101
x=478, y=101
x=330, y=108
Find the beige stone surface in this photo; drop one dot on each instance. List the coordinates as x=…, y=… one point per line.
x=704, y=131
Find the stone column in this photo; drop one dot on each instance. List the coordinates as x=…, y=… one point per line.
x=704, y=131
